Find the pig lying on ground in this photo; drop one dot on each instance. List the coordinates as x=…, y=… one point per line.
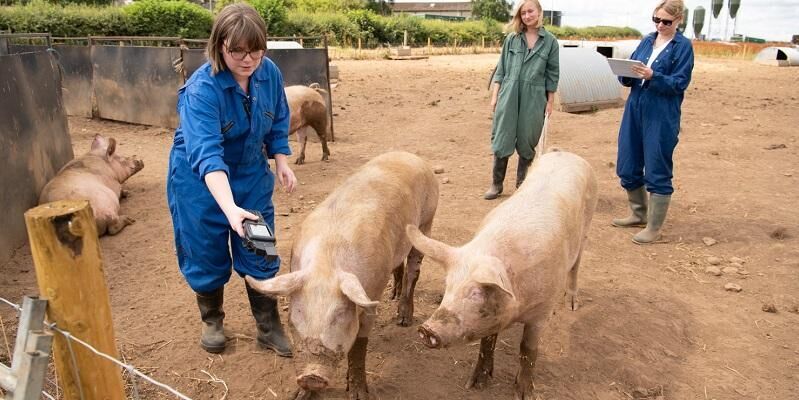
x=308, y=109
x=516, y=266
x=96, y=176
x=341, y=260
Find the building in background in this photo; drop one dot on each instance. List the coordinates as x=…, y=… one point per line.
x=454, y=11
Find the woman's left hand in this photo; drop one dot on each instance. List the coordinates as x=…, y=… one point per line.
x=548, y=109
x=284, y=174
x=643, y=71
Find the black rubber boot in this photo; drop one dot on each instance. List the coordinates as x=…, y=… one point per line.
x=521, y=170
x=212, y=315
x=267, y=319
x=498, y=176
x=637, y=199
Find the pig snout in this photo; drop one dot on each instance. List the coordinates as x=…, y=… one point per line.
x=430, y=338
x=313, y=378
x=137, y=165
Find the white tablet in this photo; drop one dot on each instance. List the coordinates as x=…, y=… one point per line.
x=623, y=67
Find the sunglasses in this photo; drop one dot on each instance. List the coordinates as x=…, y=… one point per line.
x=666, y=22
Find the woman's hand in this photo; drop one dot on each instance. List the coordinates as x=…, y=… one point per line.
x=643, y=72
x=284, y=174
x=548, y=110
x=236, y=216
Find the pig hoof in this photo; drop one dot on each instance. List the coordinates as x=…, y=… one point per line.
x=123, y=194
x=302, y=394
x=479, y=379
x=300, y=161
x=326, y=157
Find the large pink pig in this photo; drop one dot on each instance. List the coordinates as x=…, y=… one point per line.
x=96, y=176
x=341, y=261
x=526, y=252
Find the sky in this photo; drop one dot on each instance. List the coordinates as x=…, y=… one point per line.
x=776, y=20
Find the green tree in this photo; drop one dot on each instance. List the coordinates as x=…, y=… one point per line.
x=382, y=7
x=498, y=10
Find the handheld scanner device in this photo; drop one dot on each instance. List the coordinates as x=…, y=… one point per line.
x=259, y=238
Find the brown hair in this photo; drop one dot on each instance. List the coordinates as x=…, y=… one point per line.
x=672, y=7
x=516, y=24
x=236, y=24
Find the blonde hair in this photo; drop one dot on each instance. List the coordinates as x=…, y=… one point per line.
x=236, y=24
x=516, y=25
x=672, y=7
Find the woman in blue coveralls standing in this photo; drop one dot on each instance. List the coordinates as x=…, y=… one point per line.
x=651, y=121
x=230, y=109
x=523, y=91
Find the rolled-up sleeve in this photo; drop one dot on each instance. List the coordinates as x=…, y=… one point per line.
x=200, y=121
x=277, y=139
x=553, y=67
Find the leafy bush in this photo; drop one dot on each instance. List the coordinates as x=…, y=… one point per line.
x=168, y=18
x=71, y=21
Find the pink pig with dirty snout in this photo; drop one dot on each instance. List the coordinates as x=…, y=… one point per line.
x=341, y=260
x=97, y=176
x=525, y=253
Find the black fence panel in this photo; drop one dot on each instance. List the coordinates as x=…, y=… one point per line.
x=136, y=84
x=77, y=64
x=193, y=59
x=34, y=140
x=301, y=66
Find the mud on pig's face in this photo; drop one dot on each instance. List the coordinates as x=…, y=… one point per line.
x=123, y=167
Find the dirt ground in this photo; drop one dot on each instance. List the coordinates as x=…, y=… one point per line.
x=653, y=324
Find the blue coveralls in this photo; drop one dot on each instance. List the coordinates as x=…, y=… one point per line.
x=223, y=129
x=651, y=121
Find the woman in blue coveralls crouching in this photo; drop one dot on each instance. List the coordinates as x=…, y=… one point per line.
x=230, y=109
x=651, y=122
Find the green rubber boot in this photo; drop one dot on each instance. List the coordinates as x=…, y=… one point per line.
x=658, y=207
x=637, y=199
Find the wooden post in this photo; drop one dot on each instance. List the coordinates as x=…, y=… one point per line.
x=359, y=44
x=429, y=46
x=69, y=271
x=483, y=39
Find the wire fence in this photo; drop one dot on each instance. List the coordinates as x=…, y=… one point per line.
x=131, y=370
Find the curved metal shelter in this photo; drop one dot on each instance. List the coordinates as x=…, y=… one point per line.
x=778, y=56
x=610, y=49
x=586, y=82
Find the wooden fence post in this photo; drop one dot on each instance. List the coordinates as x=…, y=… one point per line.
x=69, y=271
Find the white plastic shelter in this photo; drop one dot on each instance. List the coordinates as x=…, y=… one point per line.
x=586, y=82
x=778, y=56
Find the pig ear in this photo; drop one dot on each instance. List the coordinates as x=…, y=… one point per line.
x=99, y=142
x=353, y=289
x=112, y=147
x=283, y=285
x=434, y=249
x=493, y=274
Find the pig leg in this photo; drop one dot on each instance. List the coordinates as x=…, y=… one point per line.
x=302, y=138
x=396, y=289
x=571, y=290
x=325, y=150
x=484, y=368
x=116, y=224
x=405, y=307
x=302, y=394
x=528, y=353
x=356, y=370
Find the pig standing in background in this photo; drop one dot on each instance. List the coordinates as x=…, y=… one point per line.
x=96, y=176
x=341, y=261
x=308, y=109
x=516, y=267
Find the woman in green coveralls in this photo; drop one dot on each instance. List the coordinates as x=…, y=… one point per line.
x=524, y=86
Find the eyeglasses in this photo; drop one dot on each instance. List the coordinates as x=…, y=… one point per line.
x=666, y=22
x=238, y=54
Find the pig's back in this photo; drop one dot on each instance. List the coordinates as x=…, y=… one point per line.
x=377, y=201
x=554, y=203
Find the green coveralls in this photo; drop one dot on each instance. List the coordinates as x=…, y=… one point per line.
x=525, y=76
